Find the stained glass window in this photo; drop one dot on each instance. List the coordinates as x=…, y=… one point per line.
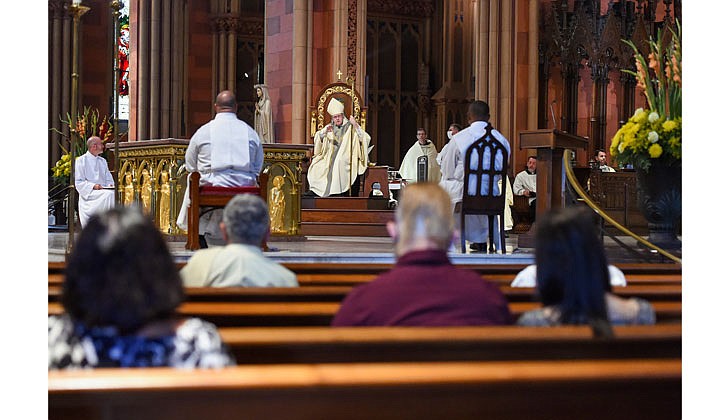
x=123, y=46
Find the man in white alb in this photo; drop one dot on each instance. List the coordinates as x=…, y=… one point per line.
x=422, y=147
x=340, y=154
x=451, y=165
x=525, y=184
x=227, y=152
x=93, y=181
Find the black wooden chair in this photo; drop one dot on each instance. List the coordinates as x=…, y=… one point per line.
x=486, y=162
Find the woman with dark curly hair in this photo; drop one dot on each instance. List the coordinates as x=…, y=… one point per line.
x=120, y=295
x=572, y=278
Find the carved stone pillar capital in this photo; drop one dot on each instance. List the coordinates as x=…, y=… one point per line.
x=600, y=72
x=225, y=23
x=58, y=9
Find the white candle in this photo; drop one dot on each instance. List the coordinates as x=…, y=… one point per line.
x=76, y=2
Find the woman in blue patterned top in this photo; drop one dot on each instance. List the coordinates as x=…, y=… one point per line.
x=120, y=296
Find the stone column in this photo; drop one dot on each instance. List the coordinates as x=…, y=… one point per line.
x=301, y=72
x=59, y=67
x=627, y=105
x=597, y=121
x=570, y=76
x=158, y=67
x=450, y=101
x=532, y=66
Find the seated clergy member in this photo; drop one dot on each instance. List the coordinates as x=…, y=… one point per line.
x=600, y=157
x=245, y=226
x=93, y=181
x=525, y=185
x=424, y=288
x=422, y=147
x=227, y=152
x=120, y=297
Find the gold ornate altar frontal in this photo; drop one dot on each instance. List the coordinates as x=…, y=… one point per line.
x=150, y=177
x=283, y=165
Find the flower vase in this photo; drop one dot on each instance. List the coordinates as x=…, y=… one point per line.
x=659, y=198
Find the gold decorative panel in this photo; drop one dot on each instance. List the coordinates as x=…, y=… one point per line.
x=283, y=167
x=152, y=176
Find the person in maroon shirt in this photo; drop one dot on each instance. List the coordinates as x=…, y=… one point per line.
x=424, y=288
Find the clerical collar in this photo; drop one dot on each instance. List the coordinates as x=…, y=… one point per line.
x=530, y=173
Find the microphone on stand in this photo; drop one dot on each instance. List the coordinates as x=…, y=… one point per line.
x=553, y=117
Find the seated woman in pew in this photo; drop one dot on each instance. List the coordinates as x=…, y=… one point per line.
x=120, y=295
x=572, y=279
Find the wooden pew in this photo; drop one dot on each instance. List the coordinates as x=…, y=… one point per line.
x=594, y=389
x=410, y=344
x=270, y=314
x=337, y=293
x=336, y=274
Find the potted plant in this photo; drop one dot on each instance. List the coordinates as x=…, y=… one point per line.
x=651, y=141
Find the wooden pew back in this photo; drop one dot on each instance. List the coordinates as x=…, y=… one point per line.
x=410, y=344
x=594, y=389
x=271, y=314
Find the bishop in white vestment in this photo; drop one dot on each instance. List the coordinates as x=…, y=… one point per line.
x=340, y=154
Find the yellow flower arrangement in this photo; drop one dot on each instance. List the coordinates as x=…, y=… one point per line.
x=656, y=133
x=648, y=136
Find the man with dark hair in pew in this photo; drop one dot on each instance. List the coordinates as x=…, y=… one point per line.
x=245, y=226
x=424, y=288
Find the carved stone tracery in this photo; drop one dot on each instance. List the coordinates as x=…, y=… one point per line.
x=413, y=8
x=572, y=38
x=351, y=38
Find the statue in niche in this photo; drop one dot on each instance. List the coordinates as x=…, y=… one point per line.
x=128, y=189
x=263, y=115
x=277, y=205
x=164, y=202
x=146, y=191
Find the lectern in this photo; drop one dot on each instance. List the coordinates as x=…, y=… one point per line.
x=549, y=145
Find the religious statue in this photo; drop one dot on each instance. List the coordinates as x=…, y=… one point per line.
x=263, y=115
x=146, y=191
x=128, y=189
x=277, y=205
x=164, y=202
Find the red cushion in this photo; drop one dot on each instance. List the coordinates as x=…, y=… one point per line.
x=210, y=190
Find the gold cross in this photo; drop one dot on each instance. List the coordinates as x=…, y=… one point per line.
x=338, y=74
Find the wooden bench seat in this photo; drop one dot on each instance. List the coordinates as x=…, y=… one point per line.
x=337, y=274
x=337, y=293
x=594, y=389
x=264, y=314
x=401, y=344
